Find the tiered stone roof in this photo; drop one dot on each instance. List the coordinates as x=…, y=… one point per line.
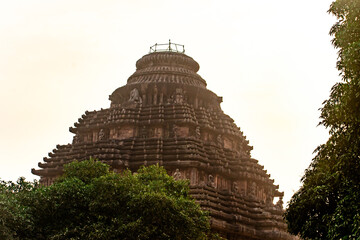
x=165, y=115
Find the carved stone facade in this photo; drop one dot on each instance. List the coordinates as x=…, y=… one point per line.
x=165, y=115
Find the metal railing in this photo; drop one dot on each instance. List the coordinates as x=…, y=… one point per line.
x=167, y=47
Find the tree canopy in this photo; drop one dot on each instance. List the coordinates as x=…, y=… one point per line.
x=327, y=206
x=90, y=202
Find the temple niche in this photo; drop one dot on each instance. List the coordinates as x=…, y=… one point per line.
x=165, y=115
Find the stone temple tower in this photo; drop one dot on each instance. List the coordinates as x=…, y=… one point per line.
x=165, y=115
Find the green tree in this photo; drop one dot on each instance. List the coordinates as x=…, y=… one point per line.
x=327, y=206
x=12, y=214
x=90, y=202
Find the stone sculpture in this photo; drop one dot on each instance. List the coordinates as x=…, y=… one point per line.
x=177, y=174
x=101, y=134
x=135, y=96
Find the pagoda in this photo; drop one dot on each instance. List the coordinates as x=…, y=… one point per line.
x=165, y=115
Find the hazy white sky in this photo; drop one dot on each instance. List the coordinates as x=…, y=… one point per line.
x=272, y=62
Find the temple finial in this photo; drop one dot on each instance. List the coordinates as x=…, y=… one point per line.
x=167, y=47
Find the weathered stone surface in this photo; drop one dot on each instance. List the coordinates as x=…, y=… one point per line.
x=165, y=115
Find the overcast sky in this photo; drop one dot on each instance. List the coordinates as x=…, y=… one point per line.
x=271, y=61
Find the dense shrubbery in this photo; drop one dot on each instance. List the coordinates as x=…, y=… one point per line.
x=90, y=202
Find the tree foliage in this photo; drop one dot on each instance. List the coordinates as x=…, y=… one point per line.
x=327, y=206
x=13, y=215
x=90, y=202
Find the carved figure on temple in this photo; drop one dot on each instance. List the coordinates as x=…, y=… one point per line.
x=279, y=204
x=177, y=174
x=235, y=187
x=211, y=181
x=175, y=129
x=101, y=134
x=197, y=132
x=269, y=197
x=179, y=96
x=75, y=139
x=157, y=132
x=252, y=190
x=135, y=96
